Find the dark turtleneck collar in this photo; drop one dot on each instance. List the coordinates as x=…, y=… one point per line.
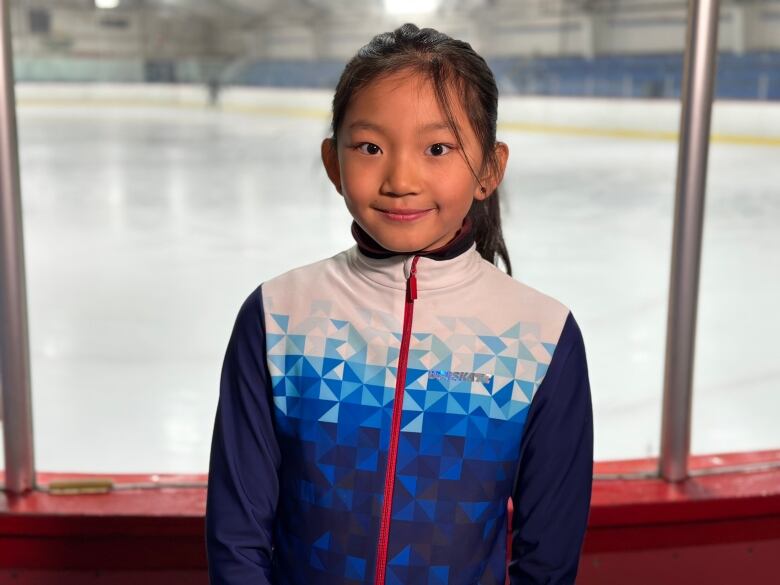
x=460, y=243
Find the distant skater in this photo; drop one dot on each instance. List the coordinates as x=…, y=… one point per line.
x=214, y=88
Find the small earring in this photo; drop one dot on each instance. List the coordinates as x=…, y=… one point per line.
x=482, y=189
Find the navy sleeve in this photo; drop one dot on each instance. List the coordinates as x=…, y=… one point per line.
x=552, y=491
x=243, y=484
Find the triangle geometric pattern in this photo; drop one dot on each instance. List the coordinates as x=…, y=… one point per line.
x=466, y=398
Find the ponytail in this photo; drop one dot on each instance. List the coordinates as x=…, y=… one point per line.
x=485, y=217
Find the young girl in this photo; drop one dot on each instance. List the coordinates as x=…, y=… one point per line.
x=379, y=408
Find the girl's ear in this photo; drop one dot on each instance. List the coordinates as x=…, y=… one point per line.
x=493, y=178
x=330, y=161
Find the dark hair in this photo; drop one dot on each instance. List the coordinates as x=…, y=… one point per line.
x=448, y=63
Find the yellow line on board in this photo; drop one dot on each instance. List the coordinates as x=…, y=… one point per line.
x=107, y=103
x=295, y=112
x=280, y=111
x=580, y=131
x=637, y=134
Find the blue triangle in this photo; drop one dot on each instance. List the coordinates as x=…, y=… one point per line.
x=329, y=364
x=272, y=339
x=355, y=568
x=415, y=426
x=375, y=374
x=480, y=423
x=351, y=392
x=494, y=343
x=435, y=401
x=454, y=406
x=459, y=428
x=373, y=420
x=480, y=359
x=332, y=415
x=404, y=513
x=528, y=389
x=290, y=361
x=368, y=398
x=441, y=350
x=349, y=374
x=409, y=482
x=414, y=374
x=474, y=509
x=428, y=507
x=298, y=341
x=278, y=361
x=451, y=468
x=323, y=542
x=326, y=393
x=310, y=386
x=438, y=575
x=510, y=363
x=329, y=471
x=308, y=370
x=402, y=558
x=378, y=392
x=360, y=358
x=369, y=462
x=281, y=320
x=334, y=385
x=315, y=561
x=331, y=348
x=504, y=395
x=463, y=398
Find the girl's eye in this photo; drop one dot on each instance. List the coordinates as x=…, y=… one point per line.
x=439, y=149
x=368, y=148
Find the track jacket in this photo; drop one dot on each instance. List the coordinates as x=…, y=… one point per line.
x=376, y=413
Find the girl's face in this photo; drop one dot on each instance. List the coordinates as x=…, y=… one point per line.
x=398, y=165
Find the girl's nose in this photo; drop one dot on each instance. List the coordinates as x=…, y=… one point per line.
x=401, y=176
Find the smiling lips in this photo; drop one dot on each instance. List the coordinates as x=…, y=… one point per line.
x=404, y=214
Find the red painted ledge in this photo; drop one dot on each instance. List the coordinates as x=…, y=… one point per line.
x=634, y=524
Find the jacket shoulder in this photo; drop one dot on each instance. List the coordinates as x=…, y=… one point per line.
x=302, y=278
x=506, y=295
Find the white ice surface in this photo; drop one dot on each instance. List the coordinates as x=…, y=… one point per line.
x=146, y=228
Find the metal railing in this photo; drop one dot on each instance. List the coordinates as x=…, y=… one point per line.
x=698, y=77
x=14, y=339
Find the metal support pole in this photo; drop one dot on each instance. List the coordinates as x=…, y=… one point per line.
x=14, y=341
x=700, y=52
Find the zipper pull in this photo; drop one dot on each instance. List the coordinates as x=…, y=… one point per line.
x=411, y=282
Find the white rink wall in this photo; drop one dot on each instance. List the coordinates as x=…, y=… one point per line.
x=730, y=118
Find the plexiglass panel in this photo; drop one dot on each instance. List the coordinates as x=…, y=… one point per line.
x=170, y=163
x=736, y=375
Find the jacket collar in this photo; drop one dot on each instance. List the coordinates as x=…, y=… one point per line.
x=452, y=264
x=459, y=244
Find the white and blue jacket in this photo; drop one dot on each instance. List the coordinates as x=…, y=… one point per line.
x=376, y=413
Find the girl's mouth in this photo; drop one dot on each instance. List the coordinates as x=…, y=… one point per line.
x=404, y=214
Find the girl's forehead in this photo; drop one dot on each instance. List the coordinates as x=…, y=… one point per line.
x=402, y=89
x=397, y=86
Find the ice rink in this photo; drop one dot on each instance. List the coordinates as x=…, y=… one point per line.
x=147, y=226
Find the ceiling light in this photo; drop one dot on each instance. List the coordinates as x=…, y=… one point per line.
x=411, y=6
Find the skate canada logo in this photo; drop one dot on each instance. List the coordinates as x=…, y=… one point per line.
x=459, y=376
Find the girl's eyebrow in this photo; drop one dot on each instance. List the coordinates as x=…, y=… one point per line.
x=365, y=124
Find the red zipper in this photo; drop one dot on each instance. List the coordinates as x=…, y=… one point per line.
x=395, y=428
